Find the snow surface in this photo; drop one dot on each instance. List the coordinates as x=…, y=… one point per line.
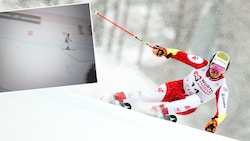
x=74, y=113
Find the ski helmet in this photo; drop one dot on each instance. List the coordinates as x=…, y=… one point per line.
x=221, y=58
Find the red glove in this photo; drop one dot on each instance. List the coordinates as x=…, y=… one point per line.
x=211, y=126
x=159, y=51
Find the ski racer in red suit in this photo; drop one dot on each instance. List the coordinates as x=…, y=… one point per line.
x=183, y=96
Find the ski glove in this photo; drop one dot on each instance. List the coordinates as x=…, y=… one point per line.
x=211, y=126
x=159, y=51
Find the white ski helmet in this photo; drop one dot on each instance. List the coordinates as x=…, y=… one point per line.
x=221, y=58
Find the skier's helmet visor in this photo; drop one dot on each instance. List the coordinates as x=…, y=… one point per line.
x=217, y=68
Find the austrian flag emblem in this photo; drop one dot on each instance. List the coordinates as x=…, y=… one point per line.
x=195, y=59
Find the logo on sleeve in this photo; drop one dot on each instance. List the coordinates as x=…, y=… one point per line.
x=195, y=59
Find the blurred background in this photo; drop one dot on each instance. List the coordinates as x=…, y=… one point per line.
x=198, y=27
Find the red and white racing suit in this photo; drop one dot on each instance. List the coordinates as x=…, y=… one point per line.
x=185, y=95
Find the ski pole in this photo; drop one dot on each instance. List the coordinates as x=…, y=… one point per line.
x=131, y=34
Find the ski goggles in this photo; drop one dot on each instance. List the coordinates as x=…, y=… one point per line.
x=217, y=68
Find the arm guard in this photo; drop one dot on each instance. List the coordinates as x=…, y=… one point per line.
x=171, y=51
x=219, y=118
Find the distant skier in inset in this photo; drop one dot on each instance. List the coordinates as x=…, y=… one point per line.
x=67, y=41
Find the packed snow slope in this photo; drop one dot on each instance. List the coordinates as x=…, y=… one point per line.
x=51, y=114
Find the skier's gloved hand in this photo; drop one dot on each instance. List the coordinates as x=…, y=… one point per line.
x=162, y=51
x=159, y=51
x=211, y=126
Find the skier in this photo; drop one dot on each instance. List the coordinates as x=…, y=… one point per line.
x=183, y=96
x=67, y=41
